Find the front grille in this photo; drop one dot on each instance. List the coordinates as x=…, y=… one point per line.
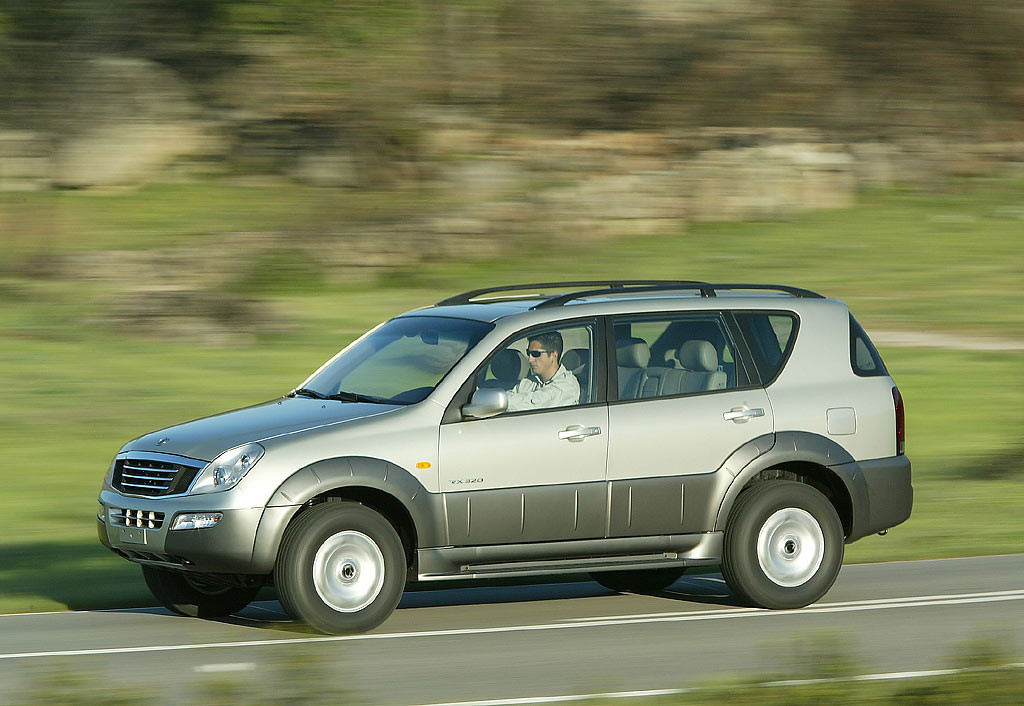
x=152, y=477
x=126, y=517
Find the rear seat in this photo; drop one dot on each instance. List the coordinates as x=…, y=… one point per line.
x=699, y=373
x=699, y=370
x=699, y=360
x=632, y=356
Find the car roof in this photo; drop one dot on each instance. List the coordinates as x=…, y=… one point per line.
x=494, y=303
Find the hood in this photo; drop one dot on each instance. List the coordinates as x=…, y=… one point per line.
x=206, y=438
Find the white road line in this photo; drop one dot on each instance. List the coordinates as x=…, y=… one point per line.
x=909, y=602
x=671, y=692
x=570, y=697
x=217, y=668
x=817, y=606
x=1016, y=555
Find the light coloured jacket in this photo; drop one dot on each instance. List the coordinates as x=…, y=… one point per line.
x=562, y=390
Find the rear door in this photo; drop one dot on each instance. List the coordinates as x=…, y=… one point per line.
x=679, y=418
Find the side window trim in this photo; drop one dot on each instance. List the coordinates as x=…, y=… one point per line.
x=757, y=364
x=742, y=353
x=453, y=414
x=611, y=372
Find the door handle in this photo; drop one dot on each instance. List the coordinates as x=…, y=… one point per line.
x=742, y=414
x=578, y=433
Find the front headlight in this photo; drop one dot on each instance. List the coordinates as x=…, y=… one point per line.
x=224, y=472
x=108, y=479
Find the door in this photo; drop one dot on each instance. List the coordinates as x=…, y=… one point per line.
x=536, y=474
x=686, y=403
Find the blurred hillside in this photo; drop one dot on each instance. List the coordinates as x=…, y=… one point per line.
x=364, y=94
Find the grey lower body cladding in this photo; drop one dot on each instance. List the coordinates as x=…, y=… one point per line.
x=881, y=492
x=506, y=560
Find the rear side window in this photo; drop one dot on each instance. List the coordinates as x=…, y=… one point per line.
x=770, y=336
x=863, y=356
x=666, y=356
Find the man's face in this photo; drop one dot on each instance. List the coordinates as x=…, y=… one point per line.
x=543, y=363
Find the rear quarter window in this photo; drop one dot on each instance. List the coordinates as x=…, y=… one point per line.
x=770, y=336
x=864, y=357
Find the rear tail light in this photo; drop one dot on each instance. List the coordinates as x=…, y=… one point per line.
x=901, y=422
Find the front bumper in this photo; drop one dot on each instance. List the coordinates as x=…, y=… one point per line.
x=882, y=494
x=227, y=547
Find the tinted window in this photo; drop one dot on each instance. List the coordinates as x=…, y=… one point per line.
x=863, y=357
x=770, y=335
x=662, y=356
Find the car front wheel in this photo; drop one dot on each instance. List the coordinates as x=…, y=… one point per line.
x=783, y=545
x=341, y=568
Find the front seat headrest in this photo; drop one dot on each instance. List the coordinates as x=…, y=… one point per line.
x=576, y=359
x=510, y=364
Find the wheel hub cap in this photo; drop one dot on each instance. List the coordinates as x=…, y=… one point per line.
x=790, y=547
x=348, y=571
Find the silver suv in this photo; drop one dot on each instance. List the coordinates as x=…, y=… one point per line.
x=624, y=429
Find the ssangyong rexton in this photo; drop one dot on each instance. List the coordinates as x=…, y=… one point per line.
x=748, y=426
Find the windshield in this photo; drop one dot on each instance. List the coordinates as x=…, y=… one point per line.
x=400, y=362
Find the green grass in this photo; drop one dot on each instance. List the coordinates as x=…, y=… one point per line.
x=949, y=262
x=44, y=223
x=74, y=391
x=961, y=506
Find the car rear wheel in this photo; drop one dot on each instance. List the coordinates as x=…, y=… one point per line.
x=637, y=581
x=194, y=597
x=783, y=545
x=341, y=568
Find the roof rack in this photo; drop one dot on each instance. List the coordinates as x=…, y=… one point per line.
x=596, y=288
x=706, y=290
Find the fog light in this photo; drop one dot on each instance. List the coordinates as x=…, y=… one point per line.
x=196, y=520
x=102, y=514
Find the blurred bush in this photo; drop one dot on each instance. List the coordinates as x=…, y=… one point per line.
x=282, y=78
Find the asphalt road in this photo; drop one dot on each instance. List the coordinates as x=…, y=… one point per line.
x=468, y=644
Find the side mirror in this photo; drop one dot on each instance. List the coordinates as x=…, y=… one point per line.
x=485, y=403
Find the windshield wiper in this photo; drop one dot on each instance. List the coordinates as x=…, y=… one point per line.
x=306, y=392
x=341, y=396
x=356, y=397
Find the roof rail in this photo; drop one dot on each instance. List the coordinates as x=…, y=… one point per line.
x=596, y=288
x=707, y=289
x=795, y=291
x=589, y=286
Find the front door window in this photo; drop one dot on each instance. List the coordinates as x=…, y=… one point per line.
x=545, y=369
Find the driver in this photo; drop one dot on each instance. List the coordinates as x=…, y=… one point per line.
x=549, y=384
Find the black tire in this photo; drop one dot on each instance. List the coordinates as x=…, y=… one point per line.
x=341, y=568
x=185, y=595
x=801, y=545
x=637, y=581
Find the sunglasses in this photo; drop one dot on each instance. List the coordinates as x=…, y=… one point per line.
x=536, y=354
